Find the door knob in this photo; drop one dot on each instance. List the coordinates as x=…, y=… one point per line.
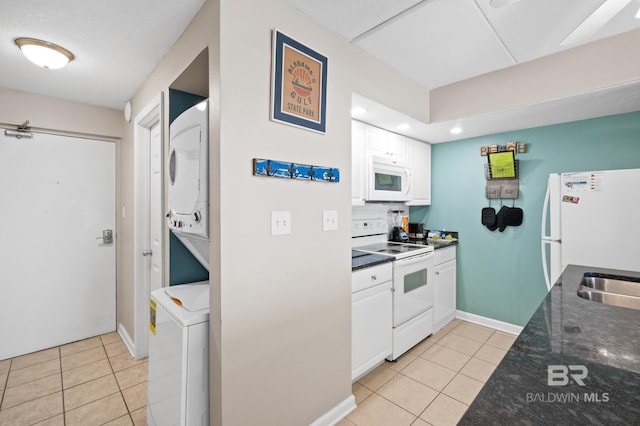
x=107, y=236
x=147, y=252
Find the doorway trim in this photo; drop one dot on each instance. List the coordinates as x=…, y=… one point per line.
x=152, y=114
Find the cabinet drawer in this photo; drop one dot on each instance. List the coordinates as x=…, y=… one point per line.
x=444, y=255
x=365, y=278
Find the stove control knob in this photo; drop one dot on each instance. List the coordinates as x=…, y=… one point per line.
x=197, y=216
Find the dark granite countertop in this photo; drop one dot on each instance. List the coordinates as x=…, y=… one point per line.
x=436, y=239
x=361, y=259
x=437, y=244
x=584, y=341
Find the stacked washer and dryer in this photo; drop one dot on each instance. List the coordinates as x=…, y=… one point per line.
x=178, y=390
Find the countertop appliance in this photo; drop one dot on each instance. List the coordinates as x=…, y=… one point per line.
x=178, y=391
x=188, y=195
x=413, y=280
x=388, y=180
x=399, y=235
x=593, y=221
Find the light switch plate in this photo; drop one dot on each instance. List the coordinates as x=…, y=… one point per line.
x=280, y=222
x=329, y=220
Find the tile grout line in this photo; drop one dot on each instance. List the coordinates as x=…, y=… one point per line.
x=472, y=356
x=58, y=350
x=104, y=347
x=445, y=386
x=117, y=382
x=4, y=386
x=64, y=411
x=112, y=374
x=459, y=372
x=410, y=378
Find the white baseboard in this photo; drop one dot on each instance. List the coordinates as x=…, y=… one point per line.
x=489, y=322
x=128, y=342
x=337, y=413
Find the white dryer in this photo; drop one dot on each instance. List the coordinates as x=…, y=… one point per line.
x=188, y=196
x=178, y=386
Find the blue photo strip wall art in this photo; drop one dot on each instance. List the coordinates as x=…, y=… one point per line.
x=288, y=170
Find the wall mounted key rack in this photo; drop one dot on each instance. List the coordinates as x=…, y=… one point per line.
x=289, y=170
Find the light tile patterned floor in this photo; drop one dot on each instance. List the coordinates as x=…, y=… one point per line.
x=433, y=383
x=89, y=382
x=96, y=381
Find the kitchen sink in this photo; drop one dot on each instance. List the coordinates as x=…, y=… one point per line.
x=609, y=289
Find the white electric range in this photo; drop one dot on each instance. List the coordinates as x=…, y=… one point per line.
x=413, y=281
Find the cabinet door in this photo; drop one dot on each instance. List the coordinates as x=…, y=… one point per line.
x=444, y=307
x=386, y=144
x=358, y=165
x=397, y=147
x=371, y=328
x=376, y=140
x=420, y=162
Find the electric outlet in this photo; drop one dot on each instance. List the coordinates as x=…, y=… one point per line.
x=329, y=220
x=280, y=223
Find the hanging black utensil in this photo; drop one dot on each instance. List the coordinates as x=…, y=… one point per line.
x=489, y=217
x=502, y=225
x=513, y=216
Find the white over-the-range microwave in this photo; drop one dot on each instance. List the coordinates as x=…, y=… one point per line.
x=388, y=180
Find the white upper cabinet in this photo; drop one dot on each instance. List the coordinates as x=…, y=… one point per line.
x=420, y=164
x=358, y=164
x=368, y=140
x=386, y=144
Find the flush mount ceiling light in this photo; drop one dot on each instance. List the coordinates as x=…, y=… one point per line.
x=403, y=126
x=456, y=130
x=44, y=54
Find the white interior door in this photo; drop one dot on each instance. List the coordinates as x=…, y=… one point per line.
x=154, y=214
x=149, y=218
x=57, y=276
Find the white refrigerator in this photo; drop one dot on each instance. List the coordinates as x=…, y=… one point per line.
x=591, y=219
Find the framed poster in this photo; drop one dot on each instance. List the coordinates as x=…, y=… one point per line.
x=299, y=84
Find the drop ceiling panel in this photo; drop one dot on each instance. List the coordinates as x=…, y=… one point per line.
x=439, y=43
x=622, y=22
x=351, y=18
x=534, y=28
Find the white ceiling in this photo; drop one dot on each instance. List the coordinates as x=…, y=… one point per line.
x=116, y=43
x=439, y=42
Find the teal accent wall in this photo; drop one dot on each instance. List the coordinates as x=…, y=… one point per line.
x=500, y=273
x=183, y=267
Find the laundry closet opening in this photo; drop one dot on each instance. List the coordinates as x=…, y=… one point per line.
x=187, y=91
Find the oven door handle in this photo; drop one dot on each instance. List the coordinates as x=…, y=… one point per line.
x=414, y=259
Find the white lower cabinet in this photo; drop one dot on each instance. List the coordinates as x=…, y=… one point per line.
x=444, y=306
x=371, y=318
